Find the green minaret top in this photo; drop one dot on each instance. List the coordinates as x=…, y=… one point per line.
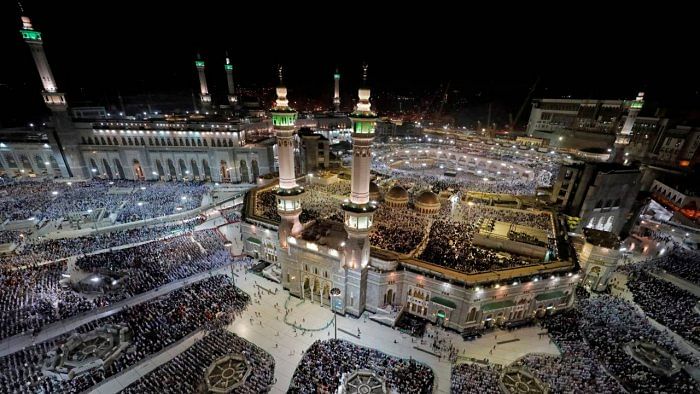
x=28, y=32
x=282, y=114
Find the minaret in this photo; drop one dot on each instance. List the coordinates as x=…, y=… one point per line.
x=359, y=210
x=623, y=136
x=232, y=99
x=203, y=90
x=336, y=92
x=289, y=193
x=63, y=140
x=54, y=100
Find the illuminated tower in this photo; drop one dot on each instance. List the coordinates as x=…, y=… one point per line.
x=232, y=99
x=64, y=139
x=623, y=136
x=289, y=193
x=54, y=100
x=359, y=209
x=203, y=90
x=336, y=92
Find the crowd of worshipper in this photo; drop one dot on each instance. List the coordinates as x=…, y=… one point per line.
x=11, y=236
x=317, y=202
x=399, y=230
x=475, y=379
x=680, y=262
x=153, y=325
x=161, y=199
x=152, y=265
x=609, y=323
x=34, y=297
x=186, y=372
x=324, y=363
x=576, y=369
x=37, y=251
x=666, y=303
x=132, y=200
x=450, y=245
x=465, y=183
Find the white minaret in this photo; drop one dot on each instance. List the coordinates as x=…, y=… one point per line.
x=289, y=193
x=336, y=92
x=203, y=89
x=232, y=99
x=359, y=209
x=64, y=140
x=623, y=136
x=54, y=100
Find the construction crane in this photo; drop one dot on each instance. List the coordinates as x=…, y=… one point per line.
x=525, y=102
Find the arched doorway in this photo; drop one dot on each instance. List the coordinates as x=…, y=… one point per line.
x=41, y=165
x=317, y=290
x=440, y=317
x=94, y=170
x=500, y=318
x=108, y=169
x=120, y=169
x=389, y=297
x=472, y=315
x=159, y=168
x=256, y=170
x=326, y=294
x=171, y=169
x=206, y=169
x=307, y=289
x=138, y=171
x=244, y=172
x=195, y=168
x=183, y=169
x=26, y=164
x=224, y=172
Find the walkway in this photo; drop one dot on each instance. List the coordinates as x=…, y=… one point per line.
x=286, y=345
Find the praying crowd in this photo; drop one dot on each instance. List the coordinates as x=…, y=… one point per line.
x=475, y=379
x=186, y=372
x=324, y=363
x=666, y=303
x=450, y=245
x=208, y=304
x=34, y=296
x=151, y=265
x=131, y=200
x=39, y=251
x=609, y=323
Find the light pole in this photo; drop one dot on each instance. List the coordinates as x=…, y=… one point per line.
x=335, y=292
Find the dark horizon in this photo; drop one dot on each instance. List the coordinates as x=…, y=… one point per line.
x=146, y=49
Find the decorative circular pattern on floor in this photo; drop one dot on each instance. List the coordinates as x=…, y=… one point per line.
x=227, y=373
x=517, y=380
x=364, y=381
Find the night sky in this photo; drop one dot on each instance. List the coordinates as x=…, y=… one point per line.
x=97, y=49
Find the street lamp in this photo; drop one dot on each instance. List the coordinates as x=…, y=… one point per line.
x=335, y=292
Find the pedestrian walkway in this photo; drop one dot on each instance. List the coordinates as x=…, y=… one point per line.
x=263, y=324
